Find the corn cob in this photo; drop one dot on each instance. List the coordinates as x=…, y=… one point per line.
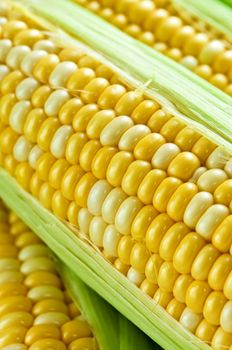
x=153, y=195
x=36, y=312
x=173, y=32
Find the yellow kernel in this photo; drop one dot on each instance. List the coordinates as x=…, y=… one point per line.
x=45, y=195
x=37, y=264
x=101, y=161
x=39, y=293
x=7, y=102
x=213, y=307
x=204, y=261
x=87, y=153
x=71, y=54
x=205, y=331
x=219, y=271
x=33, y=122
x=40, y=96
x=118, y=166
x=12, y=27
x=98, y=122
x=164, y=192
x=186, y=252
x=35, y=185
x=72, y=213
x=148, y=287
x=223, y=193
x=182, y=35
x=43, y=277
x=143, y=111
x=69, y=181
x=18, y=318
x=125, y=246
x=83, y=343
x=227, y=286
x=83, y=188
x=60, y=205
x=12, y=289
x=123, y=268
x=181, y=285
x=83, y=116
x=28, y=37
x=156, y=231
x=142, y=221
x=7, y=140
x=10, y=82
x=94, y=89
x=44, y=344
x=167, y=276
x=203, y=148
x=69, y=110
x=139, y=256
x=23, y=174
x=171, y=240
x=110, y=96
x=157, y=120
x=162, y=298
x=148, y=145
x=44, y=67
x=128, y=102
x=44, y=164
x=41, y=331
x=26, y=238
x=46, y=132
x=221, y=339
x=13, y=335
x=15, y=303
x=149, y=185
x=186, y=138
x=80, y=79
x=75, y=329
x=134, y=175
x=57, y=172
x=195, y=44
x=175, y=308
x=196, y=295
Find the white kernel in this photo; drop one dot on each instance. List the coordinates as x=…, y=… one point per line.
x=45, y=45
x=126, y=214
x=97, y=195
x=59, y=141
x=217, y=159
x=196, y=208
x=45, y=292
x=211, y=219
x=32, y=251
x=3, y=20
x=4, y=70
x=226, y=317
x=55, y=101
x=132, y=136
x=189, y=62
x=112, y=203
x=35, y=153
x=113, y=131
x=228, y=167
x=211, y=179
x=30, y=60
x=164, y=155
x=61, y=73
x=211, y=50
x=25, y=88
x=22, y=149
x=83, y=219
x=111, y=239
x=55, y=318
x=96, y=230
x=16, y=55
x=5, y=46
x=135, y=277
x=190, y=319
x=18, y=115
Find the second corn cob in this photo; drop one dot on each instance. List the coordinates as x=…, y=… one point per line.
x=162, y=26
x=126, y=190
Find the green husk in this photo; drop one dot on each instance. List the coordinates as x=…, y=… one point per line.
x=183, y=93
x=112, y=330
x=92, y=268
x=213, y=12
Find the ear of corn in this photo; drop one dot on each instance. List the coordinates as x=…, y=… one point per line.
x=141, y=189
x=36, y=309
